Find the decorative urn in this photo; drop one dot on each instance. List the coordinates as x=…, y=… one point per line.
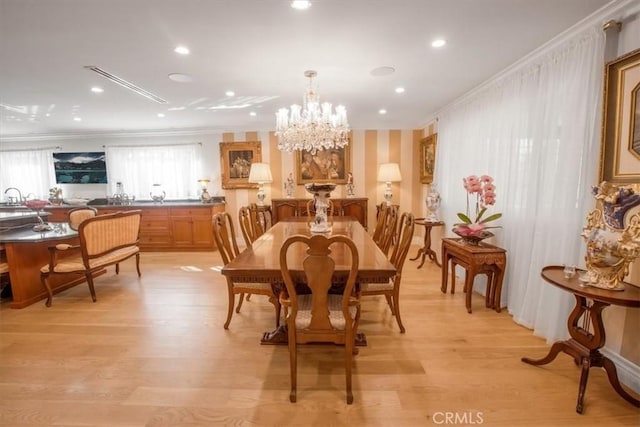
x=612, y=235
x=321, y=194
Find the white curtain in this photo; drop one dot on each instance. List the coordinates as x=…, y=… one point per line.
x=31, y=171
x=536, y=131
x=176, y=168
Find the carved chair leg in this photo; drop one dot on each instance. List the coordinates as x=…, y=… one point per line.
x=92, y=289
x=138, y=264
x=45, y=282
x=390, y=303
x=348, y=360
x=240, y=303
x=231, y=304
x=396, y=305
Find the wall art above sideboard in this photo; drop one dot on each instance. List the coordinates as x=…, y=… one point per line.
x=80, y=168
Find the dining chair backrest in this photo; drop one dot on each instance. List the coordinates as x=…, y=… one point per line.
x=321, y=316
x=261, y=218
x=389, y=229
x=380, y=222
x=401, y=249
x=225, y=236
x=77, y=215
x=246, y=226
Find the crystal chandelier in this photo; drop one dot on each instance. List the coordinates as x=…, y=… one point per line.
x=313, y=126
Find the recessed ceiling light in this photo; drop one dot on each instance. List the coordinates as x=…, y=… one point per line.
x=180, y=77
x=382, y=111
x=182, y=50
x=252, y=113
x=160, y=114
x=47, y=115
x=301, y=4
x=438, y=43
x=77, y=119
x=382, y=71
x=399, y=90
x=230, y=93
x=97, y=89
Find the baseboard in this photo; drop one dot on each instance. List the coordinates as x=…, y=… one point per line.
x=628, y=372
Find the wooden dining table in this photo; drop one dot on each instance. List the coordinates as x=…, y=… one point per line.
x=260, y=262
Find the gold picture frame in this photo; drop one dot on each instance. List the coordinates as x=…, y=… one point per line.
x=236, y=159
x=428, y=158
x=325, y=166
x=620, y=149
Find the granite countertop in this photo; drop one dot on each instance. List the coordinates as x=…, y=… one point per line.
x=25, y=233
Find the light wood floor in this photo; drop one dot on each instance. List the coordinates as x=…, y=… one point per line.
x=152, y=352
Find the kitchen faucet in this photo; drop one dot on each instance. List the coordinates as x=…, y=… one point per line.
x=12, y=200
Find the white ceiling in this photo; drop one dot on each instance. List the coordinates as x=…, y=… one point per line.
x=259, y=49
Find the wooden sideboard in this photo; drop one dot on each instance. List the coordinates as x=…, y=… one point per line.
x=353, y=207
x=164, y=227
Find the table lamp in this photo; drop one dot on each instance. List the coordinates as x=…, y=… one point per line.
x=260, y=173
x=388, y=173
x=205, y=197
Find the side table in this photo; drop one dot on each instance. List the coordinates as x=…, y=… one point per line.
x=426, y=250
x=482, y=259
x=584, y=346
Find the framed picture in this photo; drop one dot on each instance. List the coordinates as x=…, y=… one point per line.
x=331, y=165
x=620, y=151
x=236, y=159
x=80, y=168
x=428, y=158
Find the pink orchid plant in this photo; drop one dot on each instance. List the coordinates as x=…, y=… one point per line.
x=484, y=190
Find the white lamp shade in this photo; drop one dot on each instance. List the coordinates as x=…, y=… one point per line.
x=260, y=172
x=389, y=172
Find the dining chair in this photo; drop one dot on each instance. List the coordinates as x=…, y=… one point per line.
x=225, y=238
x=311, y=208
x=391, y=289
x=385, y=232
x=77, y=215
x=254, y=221
x=248, y=231
x=261, y=218
x=320, y=316
x=104, y=240
x=381, y=219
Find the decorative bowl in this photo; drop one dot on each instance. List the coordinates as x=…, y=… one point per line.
x=473, y=239
x=36, y=204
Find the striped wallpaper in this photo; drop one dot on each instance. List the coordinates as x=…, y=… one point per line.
x=369, y=148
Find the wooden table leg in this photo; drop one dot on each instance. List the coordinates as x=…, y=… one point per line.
x=445, y=270
x=584, y=347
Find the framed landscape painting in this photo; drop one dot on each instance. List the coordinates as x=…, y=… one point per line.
x=620, y=152
x=428, y=158
x=324, y=166
x=236, y=159
x=80, y=168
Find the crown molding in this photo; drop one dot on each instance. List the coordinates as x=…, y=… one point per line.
x=616, y=9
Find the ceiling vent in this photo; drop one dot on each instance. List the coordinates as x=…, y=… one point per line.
x=122, y=82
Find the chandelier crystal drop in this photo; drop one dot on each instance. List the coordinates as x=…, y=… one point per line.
x=312, y=126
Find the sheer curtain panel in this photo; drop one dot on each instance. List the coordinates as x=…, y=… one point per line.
x=176, y=167
x=31, y=171
x=536, y=131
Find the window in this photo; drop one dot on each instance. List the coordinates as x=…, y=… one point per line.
x=29, y=171
x=176, y=168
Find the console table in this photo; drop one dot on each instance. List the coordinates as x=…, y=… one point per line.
x=351, y=207
x=584, y=346
x=426, y=250
x=482, y=259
